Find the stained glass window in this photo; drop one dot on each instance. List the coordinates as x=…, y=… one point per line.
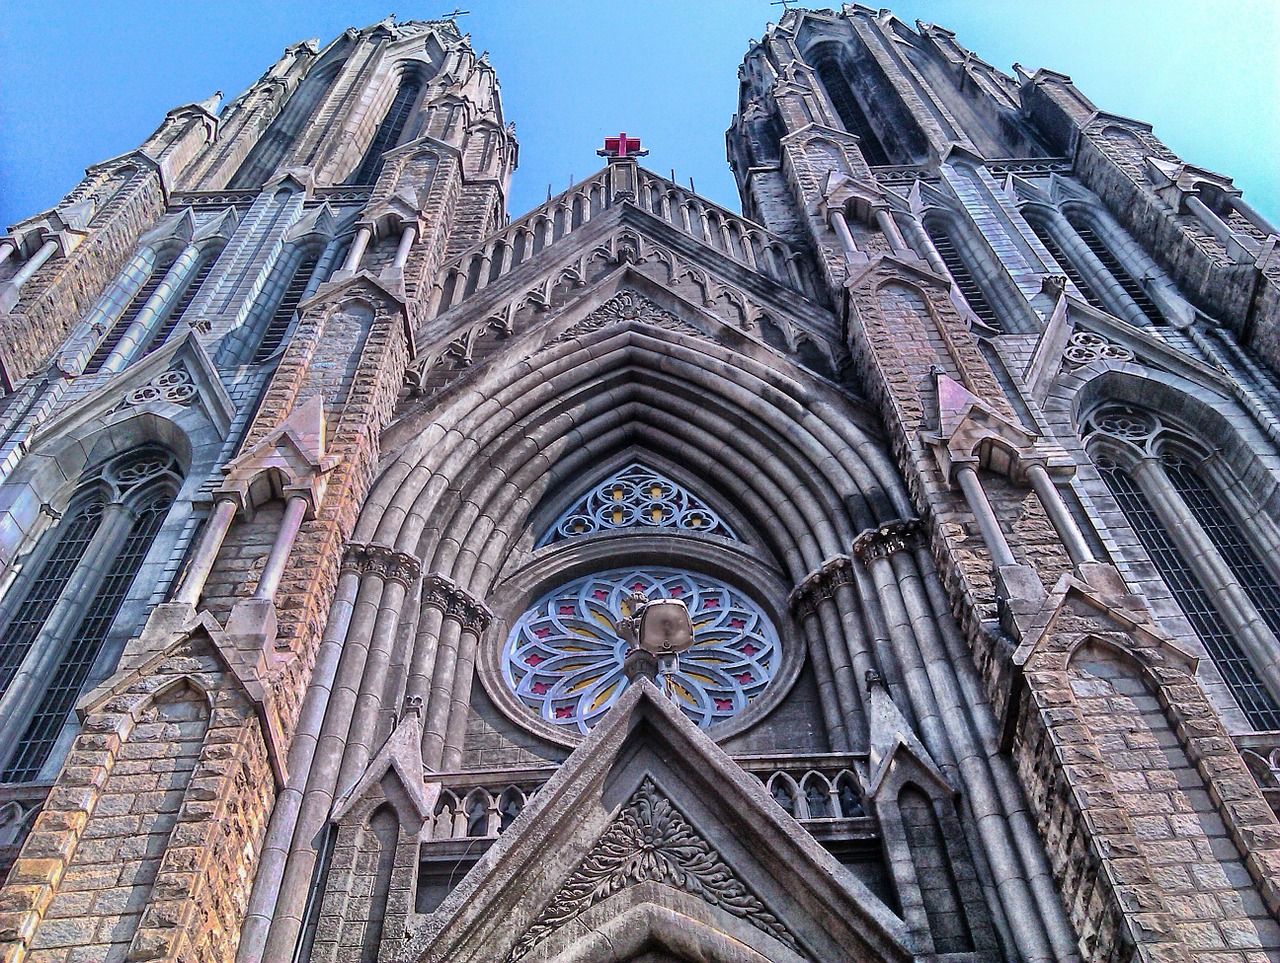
x=563, y=658
x=636, y=497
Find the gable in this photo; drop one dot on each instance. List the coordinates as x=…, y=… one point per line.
x=648, y=816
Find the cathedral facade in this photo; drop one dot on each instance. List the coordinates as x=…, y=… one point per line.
x=887, y=572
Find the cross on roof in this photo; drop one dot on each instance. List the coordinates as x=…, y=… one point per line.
x=457, y=12
x=622, y=146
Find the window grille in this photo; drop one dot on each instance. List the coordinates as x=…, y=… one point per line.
x=130, y=313
x=1068, y=266
x=388, y=133
x=180, y=308
x=1257, y=703
x=1245, y=564
x=850, y=111
x=965, y=281
x=278, y=326
x=73, y=537
x=1128, y=283
x=69, y=678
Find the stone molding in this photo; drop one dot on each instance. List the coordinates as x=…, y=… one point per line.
x=820, y=585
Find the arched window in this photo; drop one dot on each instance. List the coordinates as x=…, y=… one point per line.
x=961, y=274
x=66, y=608
x=111, y=339
x=1191, y=537
x=852, y=116
x=388, y=132
x=278, y=325
x=1084, y=228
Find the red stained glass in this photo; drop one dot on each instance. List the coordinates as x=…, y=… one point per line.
x=534, y=659
x=677, y=591
x=540, y=688
x=711, y=603
x=563, y=712
x=543, y=632
x=566, y=610
x=745, y=678
x=637, y=586
x=724, y=705
x=599, y=595
x=749, y=650
x=737, y=623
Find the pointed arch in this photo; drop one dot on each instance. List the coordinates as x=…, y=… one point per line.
x=389, y=130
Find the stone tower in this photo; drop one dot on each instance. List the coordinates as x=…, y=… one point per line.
x=888, y=572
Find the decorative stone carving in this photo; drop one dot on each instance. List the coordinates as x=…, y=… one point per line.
x=651, y=841
x=441, y=592
x=384, y=562
x=1085, y=347
x=174, y=386
x=820, y=585
x=626, y=306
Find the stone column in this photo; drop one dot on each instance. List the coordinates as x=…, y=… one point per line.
x=988, y=524
x=407, y=237
x=9, y=292
x=358, y=246
x=295, y=511
x=1059, y=515
x=886, y=223
x=224, y=512
x=7, y=247
x=841, y=226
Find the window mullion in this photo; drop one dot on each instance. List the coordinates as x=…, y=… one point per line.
x=54, y=638
x=1210, y=568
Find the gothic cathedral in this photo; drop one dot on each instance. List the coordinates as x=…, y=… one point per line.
x=888, y=572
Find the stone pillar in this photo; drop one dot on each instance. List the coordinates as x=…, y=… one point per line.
x=886, y=223
x=1059, y=515
x=224, y=512
x=988, y=524
x=294, y=512
x=407, y=237
x=358, y=246
x=9, y=292
x=841, y=226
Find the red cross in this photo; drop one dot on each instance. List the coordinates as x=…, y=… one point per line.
x=622, y=146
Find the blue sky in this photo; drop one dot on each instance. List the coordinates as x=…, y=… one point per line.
x=82, y=81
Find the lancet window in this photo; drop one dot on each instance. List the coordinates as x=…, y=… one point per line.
x=300, y=282
x=389, y=131
x=1113, y=264
x=1213, y=570
x=852, y=116
x=960, y=273
x=111, y=339
x=65, y=607
x=194, y=281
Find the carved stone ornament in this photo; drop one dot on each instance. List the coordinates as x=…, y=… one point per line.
x=886, y=540
x=1085, y=347
x=174, y=386
x=383, y=562
x=622, y=307
x=650, y=841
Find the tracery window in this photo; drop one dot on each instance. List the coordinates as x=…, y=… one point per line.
x=1168, y=503
x=389, y=131
x=65, y=609
x=636, y=497
x=563, y=658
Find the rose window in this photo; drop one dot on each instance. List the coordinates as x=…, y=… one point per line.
x=563, y=658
